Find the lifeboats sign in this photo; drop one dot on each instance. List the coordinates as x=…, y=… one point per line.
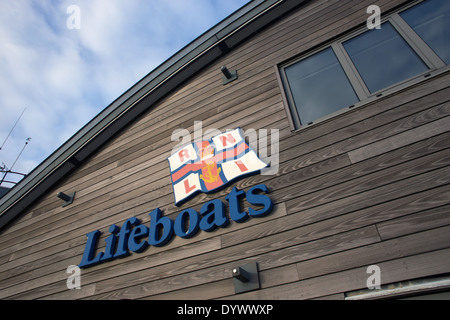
x=200, y=167
x=206, y=166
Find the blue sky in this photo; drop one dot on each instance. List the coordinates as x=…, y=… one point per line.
x=63, y=77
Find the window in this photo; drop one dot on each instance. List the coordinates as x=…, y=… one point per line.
x=409, y=44
x=311, y=78
x=383, y=58
x=431, y=21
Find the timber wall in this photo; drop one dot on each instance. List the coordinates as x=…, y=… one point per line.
x=370, y=186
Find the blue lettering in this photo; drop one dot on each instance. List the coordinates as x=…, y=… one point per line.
x=259, y=199
x=233, y=200
x=160, y=231
x=135, y=235
x=87, y=260
x=122, y=248
x=111, y=243
x=180, y=222
x=157, y=224
x=213, y=213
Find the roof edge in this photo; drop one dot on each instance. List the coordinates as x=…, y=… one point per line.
x=205, y=49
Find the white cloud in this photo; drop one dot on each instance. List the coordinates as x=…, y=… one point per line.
x=65, y=77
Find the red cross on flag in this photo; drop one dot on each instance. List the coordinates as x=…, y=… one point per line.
x=208, y=165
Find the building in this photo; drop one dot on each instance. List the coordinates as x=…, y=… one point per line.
x=357, y=122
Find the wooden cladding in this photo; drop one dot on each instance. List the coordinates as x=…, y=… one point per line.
x=371, y=186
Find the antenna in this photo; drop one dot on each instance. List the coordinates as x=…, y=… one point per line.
x=26, y=143
x=3, y=168
x=17, y=121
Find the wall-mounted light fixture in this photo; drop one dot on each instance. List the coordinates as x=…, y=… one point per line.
x=246, y=277
x=68, y=199
x=241, y=274
x=228, y=75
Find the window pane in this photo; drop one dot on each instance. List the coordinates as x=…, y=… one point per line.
x=431, y=21
x=319, y=86
x=383, y=57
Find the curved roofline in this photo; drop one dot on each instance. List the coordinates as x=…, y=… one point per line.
x=196, y=55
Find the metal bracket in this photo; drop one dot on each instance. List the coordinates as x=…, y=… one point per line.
x=246, y=278
x=67, y=198
x=228, y=75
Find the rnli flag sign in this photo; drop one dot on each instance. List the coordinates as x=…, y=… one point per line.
x=206, y=166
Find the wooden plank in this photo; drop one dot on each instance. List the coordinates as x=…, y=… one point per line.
x=358, y=178
x=404, y=116
x=167, y=256
x=366, y=216
x=251, y=233
x=335, y=242
x=419, y=183
x=322, y=195
x=338, y=296
x=143, y=289
x=235, y=254
x=74, y=294
x=218, y=289
x=417, y=222
x=407, y=268
x=207, y=291
x=376, y=253
x=62, y=295
x=400, y=140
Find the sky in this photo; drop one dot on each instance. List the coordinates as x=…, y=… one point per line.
x=64, y=61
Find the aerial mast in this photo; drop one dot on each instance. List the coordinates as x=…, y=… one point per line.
x=15, y=124
x=3, y=168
